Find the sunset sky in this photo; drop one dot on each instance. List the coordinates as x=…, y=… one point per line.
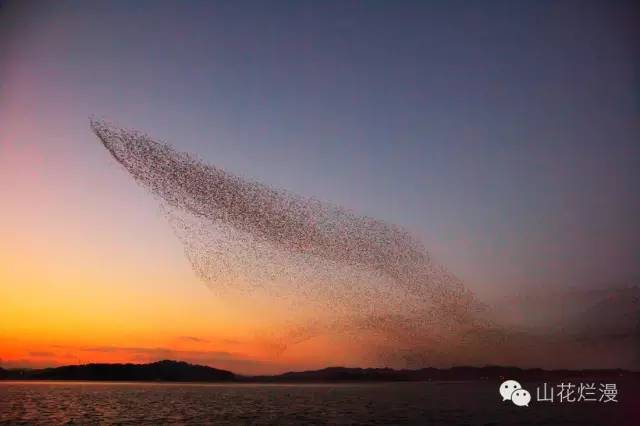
x=504, y=135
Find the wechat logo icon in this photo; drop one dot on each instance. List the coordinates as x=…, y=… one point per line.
x=510, y=390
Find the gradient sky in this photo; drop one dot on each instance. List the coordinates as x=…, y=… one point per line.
x=504, y=134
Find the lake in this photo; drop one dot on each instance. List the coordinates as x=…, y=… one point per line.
x=474, y=403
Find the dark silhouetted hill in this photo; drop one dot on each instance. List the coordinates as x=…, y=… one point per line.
x=175, y=371
x=333, y=374
x=166, y=371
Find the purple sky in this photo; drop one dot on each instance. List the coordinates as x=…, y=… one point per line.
x=504, y=134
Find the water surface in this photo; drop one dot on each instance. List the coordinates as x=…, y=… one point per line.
x=474, y=403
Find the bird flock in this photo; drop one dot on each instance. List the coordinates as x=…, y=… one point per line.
x=338, y=272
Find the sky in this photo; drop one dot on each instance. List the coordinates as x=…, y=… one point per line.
x=504, y=135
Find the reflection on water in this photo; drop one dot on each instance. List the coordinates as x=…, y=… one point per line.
x=379, y=403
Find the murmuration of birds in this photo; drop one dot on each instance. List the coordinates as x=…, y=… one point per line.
x=340, y=273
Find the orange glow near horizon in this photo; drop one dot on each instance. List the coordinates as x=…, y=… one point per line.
x=64, y=301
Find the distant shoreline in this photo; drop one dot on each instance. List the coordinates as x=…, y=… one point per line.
x=181, y=372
